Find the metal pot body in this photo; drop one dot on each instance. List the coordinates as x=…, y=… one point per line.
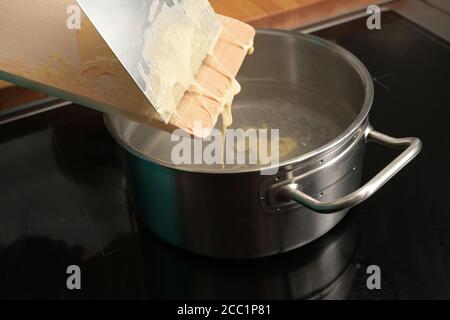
x=240, y=213
x=237, y=215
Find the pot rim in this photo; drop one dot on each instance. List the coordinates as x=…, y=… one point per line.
x=344, y=136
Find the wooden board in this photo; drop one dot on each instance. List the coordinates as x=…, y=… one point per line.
x=39, y=52
x=214, y=76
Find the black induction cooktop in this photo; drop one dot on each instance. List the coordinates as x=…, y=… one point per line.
x=64, y=201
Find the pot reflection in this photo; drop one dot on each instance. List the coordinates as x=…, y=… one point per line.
x=325, y=269
x=146, y=267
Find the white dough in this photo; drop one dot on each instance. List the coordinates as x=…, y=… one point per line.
x=179, y=39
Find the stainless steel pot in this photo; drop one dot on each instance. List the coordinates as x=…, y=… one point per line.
x=316, y=93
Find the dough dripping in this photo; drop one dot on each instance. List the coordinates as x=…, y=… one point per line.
x=180, y=41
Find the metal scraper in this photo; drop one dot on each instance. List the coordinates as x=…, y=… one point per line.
x=122, y=24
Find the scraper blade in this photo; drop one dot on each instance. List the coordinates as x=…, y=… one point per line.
x=122, y=24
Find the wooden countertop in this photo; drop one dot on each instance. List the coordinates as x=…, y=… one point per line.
x=4, y=84
x=251, y=10
x=287, y=14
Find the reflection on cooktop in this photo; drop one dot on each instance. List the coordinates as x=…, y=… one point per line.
x=64, y=202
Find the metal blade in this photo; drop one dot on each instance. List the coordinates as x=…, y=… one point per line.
x=122, y=24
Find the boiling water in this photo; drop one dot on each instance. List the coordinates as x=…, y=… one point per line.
x=303, y=117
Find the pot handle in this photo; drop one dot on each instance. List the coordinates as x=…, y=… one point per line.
x=413, y=147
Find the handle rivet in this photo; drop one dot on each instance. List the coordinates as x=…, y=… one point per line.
x=321, y=195
x=278, y=209
x=354, y=168
x=262, y=197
